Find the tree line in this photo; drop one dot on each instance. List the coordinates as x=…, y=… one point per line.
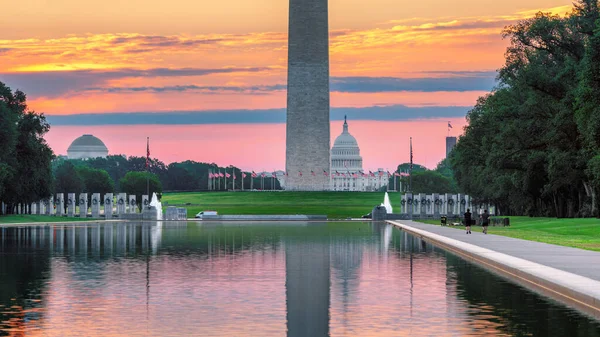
x=439, y=180
x=532, y=145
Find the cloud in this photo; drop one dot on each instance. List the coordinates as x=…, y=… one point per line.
x=377, y=113
x=53, y=83
x=458, y=81
x=427, y=84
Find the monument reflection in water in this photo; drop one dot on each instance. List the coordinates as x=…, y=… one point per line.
x=299, y=279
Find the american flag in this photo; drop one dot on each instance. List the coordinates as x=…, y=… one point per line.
x=355, y=175
x=381, y=173
x=221, y=174
x=300, y=173
x=227, y=175
x=273, y=175
x=263, y=175
x=449, y=125
x=403, y=174
x=210, y=175
x=313, y=173
x=233, y=175
x=337, y=173
x=253, y=174
x=396, y=174
x=243, y=175
x=325, y=173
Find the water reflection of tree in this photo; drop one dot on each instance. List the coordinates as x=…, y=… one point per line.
x=519, y=311
x=24, y=266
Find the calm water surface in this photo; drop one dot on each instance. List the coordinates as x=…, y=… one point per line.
x=294, y=279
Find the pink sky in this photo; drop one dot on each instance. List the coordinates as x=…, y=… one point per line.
x=262, y=146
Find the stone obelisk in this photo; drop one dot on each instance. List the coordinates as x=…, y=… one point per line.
x=307, y=129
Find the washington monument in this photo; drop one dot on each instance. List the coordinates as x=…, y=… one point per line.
x=307, y=129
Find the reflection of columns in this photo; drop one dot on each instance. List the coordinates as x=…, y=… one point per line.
x=60, y=238
x=108, y=239
x=96, y=240
x=307, y=285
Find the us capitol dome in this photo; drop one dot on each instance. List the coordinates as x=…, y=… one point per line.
x=87, y=146
x=347, y=166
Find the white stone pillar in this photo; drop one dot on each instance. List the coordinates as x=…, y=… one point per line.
x=132, y=204
x=60, y=204
x=96, y=201
x=83, y=205
x=71, y=204
x=121, y=203
x=108, y=206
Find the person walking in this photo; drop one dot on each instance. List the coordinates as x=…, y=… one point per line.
x=468, y=221
x=485, y=220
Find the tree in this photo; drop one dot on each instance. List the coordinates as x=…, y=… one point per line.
x=135, y=183
x=95, y=181
x=67, y=179
x=25, y=174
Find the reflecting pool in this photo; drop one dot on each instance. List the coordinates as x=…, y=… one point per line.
x=257, y=279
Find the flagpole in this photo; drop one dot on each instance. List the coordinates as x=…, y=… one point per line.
x=410, y=168
x=147, y=166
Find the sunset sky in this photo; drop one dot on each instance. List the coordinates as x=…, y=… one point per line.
x=213, y=73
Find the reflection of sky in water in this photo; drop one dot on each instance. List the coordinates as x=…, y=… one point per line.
x=341, y=279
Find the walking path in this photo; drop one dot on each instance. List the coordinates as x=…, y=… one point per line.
x=568, y=274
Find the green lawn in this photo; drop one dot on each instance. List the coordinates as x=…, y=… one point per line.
x=578, y=233
x=336, y=205
x=6, y=219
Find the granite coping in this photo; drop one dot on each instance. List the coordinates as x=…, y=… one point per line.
x=576, y=284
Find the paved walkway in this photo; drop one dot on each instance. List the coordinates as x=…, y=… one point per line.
x=571, y=274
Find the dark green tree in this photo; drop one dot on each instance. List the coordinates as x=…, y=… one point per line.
x=67, y=179
x=95, y=180
x=25, y=174
x=135, y=183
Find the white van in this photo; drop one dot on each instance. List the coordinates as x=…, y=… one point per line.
x=201, y=214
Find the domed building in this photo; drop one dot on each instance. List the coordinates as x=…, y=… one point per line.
x=347, y=167
x=87, y=146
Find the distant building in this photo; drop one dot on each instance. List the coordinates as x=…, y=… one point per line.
x=86, y=147
x=347, y=167
x=450, y=144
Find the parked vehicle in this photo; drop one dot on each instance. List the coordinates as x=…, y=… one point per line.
x=203, y=213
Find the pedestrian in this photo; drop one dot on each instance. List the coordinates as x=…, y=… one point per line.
x=468, y=221
x=485, y=221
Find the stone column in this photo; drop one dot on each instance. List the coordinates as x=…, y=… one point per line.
x=462, y=203
x=83, y=205
x=121, y=203
x=96, y=205
x=48, y=205
x=132, y=204
x=409, y=204
x=71, y=204
x=38, y=207
x=422, y=204
x=429, y=207
x=145, y=202
x=60, y=204
x=450, y=201
x=436, y=205
x=108, y=206
x=403, y=205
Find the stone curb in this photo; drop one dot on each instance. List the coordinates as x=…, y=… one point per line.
x=571, y=289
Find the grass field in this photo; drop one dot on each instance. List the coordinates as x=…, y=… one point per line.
x=336, y=205
x=578, y=233
x=6, y=219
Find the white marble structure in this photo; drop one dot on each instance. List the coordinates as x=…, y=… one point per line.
x=85, y=147
x=60, y=204
x=108, y=206
x=121, y=203
x=83, y=205
x=71, y=203
x=96, y=201
x=347, y=166
x=132, y=204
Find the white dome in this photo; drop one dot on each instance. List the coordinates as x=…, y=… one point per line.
x=345, y=154
x=87, y=146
